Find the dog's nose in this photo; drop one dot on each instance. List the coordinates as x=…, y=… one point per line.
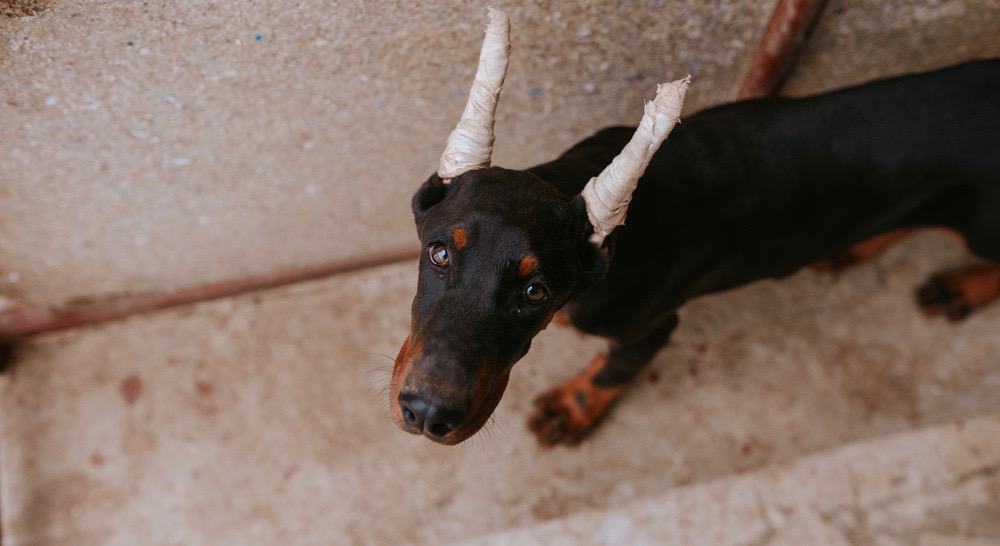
x=434, y=420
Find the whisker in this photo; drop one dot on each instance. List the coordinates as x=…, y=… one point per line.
x=391, y=358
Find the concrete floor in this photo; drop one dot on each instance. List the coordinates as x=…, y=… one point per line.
x=158, y=144
x=261, y=420
x=149, y=145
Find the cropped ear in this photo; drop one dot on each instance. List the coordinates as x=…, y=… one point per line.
x=594, y=259
x=428, y=196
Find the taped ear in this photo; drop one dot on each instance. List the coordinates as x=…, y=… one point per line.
x=470, y=145
x=608, y=194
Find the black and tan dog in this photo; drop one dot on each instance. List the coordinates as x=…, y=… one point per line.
x=746, y=191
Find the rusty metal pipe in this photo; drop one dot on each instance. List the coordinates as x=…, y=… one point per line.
x=783, y=37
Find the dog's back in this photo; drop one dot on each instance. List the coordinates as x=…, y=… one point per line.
x=772, y=184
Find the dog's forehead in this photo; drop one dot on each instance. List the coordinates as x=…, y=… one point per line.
x=506, y=190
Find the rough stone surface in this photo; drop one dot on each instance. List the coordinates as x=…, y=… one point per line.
x=860, y=40
x=261, y=420
x=889, y=492
x=153, y=144
x=21, y=8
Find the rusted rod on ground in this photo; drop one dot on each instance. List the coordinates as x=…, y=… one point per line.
x=23, y=320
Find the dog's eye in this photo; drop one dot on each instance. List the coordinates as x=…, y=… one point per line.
x=535, y=293
x=439, y=255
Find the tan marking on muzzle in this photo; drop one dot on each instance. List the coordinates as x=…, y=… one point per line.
x=408, y=353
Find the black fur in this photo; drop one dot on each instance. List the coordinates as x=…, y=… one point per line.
x=745, y=191
x=6, y=355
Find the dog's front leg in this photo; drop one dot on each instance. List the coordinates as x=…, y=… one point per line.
x=569, y=412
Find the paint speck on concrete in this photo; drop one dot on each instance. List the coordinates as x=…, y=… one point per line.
x=204, y=388
x=51, y=101
x=535, y=91
x=130, y=389
x=258, y=37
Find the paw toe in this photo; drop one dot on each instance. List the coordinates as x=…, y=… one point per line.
x=939, y=297
x=936, y=295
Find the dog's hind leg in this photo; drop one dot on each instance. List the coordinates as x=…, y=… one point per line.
x=957, y=294
x=861, y=252
x=871, y=249
x=569, y=412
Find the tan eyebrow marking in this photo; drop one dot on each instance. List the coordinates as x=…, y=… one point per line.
x=527, y=266
x=460, y=237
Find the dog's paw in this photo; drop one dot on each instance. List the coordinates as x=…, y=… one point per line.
x=569, y=412
x=957, y=294
x=939, y=297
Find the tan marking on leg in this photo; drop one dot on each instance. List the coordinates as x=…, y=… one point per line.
x=959, y=293
x=979, y=286
x=561, y=319
x=872, y=248
x=567, y=413
x=864, y=251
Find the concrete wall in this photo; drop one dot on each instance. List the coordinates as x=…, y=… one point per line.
x=150, y=145
x=860, y=40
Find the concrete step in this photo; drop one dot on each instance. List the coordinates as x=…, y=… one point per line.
x=260, y=419
x=938, y=486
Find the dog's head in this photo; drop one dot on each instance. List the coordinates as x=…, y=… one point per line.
x=502, y=251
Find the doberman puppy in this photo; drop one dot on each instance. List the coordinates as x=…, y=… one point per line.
x=745, y=191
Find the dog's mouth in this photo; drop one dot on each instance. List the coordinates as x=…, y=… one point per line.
x=443, y=413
